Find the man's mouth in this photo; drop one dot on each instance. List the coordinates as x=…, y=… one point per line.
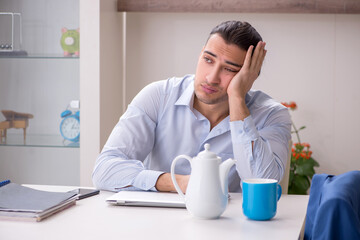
x=208, y=89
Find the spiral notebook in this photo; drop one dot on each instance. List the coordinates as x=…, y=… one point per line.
x=146, y=199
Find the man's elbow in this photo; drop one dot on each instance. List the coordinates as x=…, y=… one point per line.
x=97, y=180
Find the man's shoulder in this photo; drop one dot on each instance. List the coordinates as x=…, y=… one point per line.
x=168, y=86
x=177, y=83
x=265, y=110
x=259, y=99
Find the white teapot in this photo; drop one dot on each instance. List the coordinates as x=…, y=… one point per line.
x=207, y=191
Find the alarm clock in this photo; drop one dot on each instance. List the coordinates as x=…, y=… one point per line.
x=70, y=125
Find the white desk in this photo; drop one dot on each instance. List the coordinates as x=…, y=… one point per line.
x=93, y=218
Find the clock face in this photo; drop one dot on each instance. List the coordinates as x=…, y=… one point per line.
x=70, y=128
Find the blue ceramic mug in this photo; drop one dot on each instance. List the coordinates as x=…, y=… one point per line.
x=260, y=198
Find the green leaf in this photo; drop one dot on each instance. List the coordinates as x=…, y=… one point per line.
x=315, y=163
x=291, y=176
x=300, y=161
x=300, y=184
x=301, y=128
x=294, y=190
x=306, y=169
x=312, y=162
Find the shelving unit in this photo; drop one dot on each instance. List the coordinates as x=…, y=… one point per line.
x=41, y=83
x=100, y=79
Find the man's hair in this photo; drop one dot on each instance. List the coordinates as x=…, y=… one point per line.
x=242, y=34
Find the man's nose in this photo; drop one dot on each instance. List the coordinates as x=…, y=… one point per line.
x=214, y=75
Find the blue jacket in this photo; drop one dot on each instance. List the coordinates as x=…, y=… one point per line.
x=334, y=207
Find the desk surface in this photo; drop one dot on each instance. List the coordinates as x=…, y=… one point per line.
x=93, y=218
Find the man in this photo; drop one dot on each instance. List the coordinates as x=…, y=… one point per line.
x=216, y=106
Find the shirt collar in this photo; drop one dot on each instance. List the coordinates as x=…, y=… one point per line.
x=187, y=97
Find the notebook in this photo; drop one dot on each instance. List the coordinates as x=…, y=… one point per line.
x=144, y=198
x=18, y=202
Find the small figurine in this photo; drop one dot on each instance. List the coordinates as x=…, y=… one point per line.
x=14, y=120
x=70, y=42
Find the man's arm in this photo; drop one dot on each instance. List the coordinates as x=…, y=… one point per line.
x=260, y=153
x=120, y=164
x=164, y=182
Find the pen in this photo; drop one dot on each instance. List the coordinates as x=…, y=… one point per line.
x=3, y=183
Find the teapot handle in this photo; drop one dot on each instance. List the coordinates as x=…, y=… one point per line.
x=173, y=173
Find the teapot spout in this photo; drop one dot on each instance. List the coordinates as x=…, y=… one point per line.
x=224, y=171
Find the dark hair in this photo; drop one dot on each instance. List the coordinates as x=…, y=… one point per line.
x=239, y=33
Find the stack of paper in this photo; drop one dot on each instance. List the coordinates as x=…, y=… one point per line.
x=23, y=203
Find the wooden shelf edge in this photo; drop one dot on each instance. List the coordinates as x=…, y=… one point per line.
x=242, y=6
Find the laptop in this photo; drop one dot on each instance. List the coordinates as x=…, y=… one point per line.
x=147, y=199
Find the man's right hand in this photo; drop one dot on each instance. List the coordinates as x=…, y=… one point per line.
x=165, y=184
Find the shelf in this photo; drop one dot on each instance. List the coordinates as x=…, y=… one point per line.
x=38, y=56
x=242, y=6
x=33, y=140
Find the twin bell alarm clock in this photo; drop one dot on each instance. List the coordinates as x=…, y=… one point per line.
x=70, y=125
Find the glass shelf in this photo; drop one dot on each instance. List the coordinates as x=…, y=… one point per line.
x=40, y=56
x=33, y=140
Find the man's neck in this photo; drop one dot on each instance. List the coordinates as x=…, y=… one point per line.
x=215, y=113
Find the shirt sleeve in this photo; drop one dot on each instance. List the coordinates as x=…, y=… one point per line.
x=261, y=152
x=120, y=164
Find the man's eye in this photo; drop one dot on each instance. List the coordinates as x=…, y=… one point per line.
x=231, y=70
x=208, y=60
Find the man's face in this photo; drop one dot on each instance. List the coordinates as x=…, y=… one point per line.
x=217, y=65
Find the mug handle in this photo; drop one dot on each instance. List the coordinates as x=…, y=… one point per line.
x=173, y=173
x=279, y=191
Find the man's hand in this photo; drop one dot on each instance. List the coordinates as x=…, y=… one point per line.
x=243, y=81
x=165, y=184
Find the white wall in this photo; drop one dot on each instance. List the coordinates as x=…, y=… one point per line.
x=312, y=59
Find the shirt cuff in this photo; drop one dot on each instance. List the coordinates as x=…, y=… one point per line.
x=244, y=131
x=146, y=180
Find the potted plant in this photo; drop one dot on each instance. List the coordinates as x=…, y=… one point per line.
x=302, y=163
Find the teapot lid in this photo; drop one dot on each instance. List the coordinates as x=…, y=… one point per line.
x=206, y=153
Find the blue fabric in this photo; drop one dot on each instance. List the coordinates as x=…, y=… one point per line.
x=334, y=207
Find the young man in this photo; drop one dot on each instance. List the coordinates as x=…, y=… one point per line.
x=216, y=106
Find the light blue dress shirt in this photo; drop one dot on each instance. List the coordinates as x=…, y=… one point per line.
x=161, y=123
